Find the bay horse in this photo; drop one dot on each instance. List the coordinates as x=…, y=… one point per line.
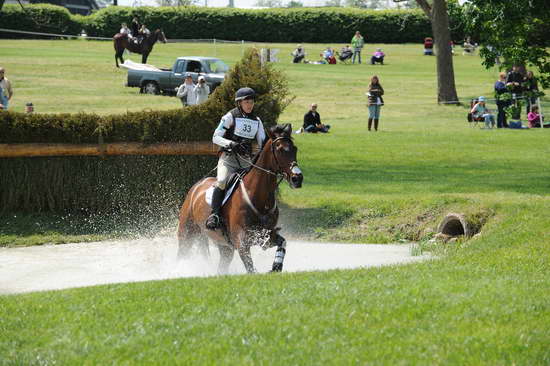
x=250, y=215
x=144, y=48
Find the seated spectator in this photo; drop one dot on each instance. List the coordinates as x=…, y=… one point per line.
x=377, y=57
x=298, y=54
x=428, y=46
x=534, y=117
x=186, y=91
x=202, y=90
x=312, y=121
x=329, y=57
x=480, y=110
x=469, y=47
x=345, y=53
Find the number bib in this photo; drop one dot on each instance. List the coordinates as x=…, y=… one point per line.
x=246, y=128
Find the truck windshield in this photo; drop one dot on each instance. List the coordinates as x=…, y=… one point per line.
x=217, y=66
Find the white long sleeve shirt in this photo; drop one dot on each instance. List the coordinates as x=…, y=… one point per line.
x=226, y=123
x=187, y=91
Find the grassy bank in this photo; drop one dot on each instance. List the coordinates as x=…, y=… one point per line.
x=484, y=301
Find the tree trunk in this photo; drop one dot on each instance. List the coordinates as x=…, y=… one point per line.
x=439, y=18
x=446, y=89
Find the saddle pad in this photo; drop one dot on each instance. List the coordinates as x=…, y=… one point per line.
x=228, y=192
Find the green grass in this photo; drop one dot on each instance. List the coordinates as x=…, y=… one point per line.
x=483, y=301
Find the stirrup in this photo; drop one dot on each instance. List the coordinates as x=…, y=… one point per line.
x=213, y=221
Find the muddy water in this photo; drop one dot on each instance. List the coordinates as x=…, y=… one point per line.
x=87, y=264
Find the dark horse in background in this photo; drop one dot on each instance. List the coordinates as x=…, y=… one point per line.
x=250, y=215
x=144, y=48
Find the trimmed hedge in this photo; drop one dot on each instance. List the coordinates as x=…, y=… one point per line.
x=194, y=123
x=43, y=18
x=314, y=25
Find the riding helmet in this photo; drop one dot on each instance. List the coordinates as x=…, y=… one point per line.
x=245, y=93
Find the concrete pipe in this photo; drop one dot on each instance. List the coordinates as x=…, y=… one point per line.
x=454, y=225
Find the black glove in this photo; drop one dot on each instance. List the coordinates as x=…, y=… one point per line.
x=238, y=148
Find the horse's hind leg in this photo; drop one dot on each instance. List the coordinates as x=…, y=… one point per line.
x=187, y=233
x=226, y=256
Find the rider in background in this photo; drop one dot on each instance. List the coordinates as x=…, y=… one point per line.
x=143, y=33
x=235, y=134
x=135, y=28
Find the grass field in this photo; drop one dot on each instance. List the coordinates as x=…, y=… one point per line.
x=484, y=301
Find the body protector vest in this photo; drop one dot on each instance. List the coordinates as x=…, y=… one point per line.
x=243, y=130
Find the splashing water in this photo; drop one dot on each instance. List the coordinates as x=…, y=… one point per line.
x=75, y=265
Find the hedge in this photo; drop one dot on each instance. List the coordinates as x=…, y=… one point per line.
x=314, y=25
x=135, y=185
x=44, y=18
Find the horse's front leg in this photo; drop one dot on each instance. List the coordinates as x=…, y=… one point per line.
x=280, y=242
x=243, y=246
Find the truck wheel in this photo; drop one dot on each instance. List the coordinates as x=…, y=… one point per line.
x=150, y=87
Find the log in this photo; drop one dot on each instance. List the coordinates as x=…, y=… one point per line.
x=108, y=149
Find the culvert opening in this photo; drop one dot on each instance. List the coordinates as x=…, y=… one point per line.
x=455, y=225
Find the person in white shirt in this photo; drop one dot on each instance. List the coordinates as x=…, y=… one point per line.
x=186, y=91
x=202, y=90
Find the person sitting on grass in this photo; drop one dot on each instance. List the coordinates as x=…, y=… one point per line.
x=480, y=110
x=377, y=57
x=329, y=57
x=298, y=54
x=534, y=117
x=312, y=121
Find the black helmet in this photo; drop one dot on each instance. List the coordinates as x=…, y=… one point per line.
x=244, y=93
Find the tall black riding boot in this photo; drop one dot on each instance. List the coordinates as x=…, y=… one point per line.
x=376, y=124
x=370, y=123
x=213, y=221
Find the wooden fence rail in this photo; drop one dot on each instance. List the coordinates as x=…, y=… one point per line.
x=107, y=149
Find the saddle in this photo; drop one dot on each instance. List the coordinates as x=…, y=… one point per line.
x=232, y=183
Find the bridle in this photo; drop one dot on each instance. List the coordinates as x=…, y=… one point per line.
x=279, y=173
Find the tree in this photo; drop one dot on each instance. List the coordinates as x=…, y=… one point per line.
x=515, y=30
x=269, y=3
x=294, y=4
x=331, y=3
x=175, y=2
x=366, y=4
x=439, y=18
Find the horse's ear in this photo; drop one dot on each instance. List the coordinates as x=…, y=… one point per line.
x=288, y=129
x=271, y=132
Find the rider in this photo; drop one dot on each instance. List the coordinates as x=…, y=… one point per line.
x=235, y=134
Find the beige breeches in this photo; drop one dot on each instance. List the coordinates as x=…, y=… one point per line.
x=227, y=165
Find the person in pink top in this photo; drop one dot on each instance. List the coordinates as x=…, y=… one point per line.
x=534, y=117
x=377, y=57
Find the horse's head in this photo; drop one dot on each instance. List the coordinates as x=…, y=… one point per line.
x=161, y=36
x=284, y=153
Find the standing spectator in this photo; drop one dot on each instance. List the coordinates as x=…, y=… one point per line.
x=298, y=54
x=312, y=121
x=502, y=101
x=186, y=91
x=375, y=101
x=514, y=80
x=6, y=89
x=531, y=87
x=357, y=42
x=428, y=46
x=480, y=110
x=377, y=57
x=202, y=90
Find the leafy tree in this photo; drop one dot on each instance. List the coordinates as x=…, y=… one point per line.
x=331, y=3
x=269, y=3
x=175, y=2
x=366, y=4
x=516, y=30
x=436, y=10
x=294, y=4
